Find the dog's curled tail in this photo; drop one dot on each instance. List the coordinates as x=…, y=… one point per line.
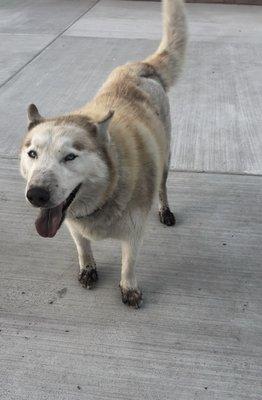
x=169, y=57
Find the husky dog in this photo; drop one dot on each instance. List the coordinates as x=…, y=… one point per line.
x=99, y=167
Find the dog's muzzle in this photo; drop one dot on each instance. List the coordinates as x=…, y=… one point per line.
x=50, y=219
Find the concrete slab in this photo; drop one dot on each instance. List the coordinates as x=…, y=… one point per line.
x=17, y=50
x=43, y=16
x=216, y=109
x=198, y=335
x=120, y=19
x=126, y=19
x=217, y=20
x=216, y=106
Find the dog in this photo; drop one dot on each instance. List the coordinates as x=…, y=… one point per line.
x=100, y=167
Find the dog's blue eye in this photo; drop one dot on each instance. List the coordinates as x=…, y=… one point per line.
x=32, y=154
x=70, y=157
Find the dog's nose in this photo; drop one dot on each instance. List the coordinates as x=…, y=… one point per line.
x=38, y=196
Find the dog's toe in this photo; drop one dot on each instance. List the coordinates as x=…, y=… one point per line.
x=167, y=217
x=88, y=277
x=132, y=297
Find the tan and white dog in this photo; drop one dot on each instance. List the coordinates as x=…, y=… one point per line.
x=100, y=166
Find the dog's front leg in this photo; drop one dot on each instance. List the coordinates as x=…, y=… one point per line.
x=88, y=273
x=131, y=294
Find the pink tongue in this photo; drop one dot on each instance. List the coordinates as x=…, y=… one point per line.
x=49, y=220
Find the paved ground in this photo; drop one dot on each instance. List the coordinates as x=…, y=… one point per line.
x=199, y=333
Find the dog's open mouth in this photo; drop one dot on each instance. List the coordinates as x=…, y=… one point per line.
x=50, y=219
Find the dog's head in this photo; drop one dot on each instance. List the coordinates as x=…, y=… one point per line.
x=59, y=157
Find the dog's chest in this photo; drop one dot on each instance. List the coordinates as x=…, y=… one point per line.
x=98, y=227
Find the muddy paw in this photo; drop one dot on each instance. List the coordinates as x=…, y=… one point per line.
x=88, y=277
x=131, y=297
x=167, y=217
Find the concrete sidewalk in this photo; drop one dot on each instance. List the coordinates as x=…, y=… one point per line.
x=198, y=335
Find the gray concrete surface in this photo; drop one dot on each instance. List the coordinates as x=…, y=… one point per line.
x=107, y=19
x=23, y=48
x=45, y=17
x=198, y=335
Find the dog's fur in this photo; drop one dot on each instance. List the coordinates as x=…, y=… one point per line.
x=122, y=143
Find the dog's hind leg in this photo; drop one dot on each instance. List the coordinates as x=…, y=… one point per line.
x=88, y=273
x=165, y=215
x=131, y=294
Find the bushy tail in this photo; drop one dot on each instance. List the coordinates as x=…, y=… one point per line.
x=168, y=59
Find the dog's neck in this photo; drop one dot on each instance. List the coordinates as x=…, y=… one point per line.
x=84, y=206
x=110, y=157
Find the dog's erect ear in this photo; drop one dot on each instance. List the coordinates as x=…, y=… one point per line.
x=34, y=117
x=102, y=126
